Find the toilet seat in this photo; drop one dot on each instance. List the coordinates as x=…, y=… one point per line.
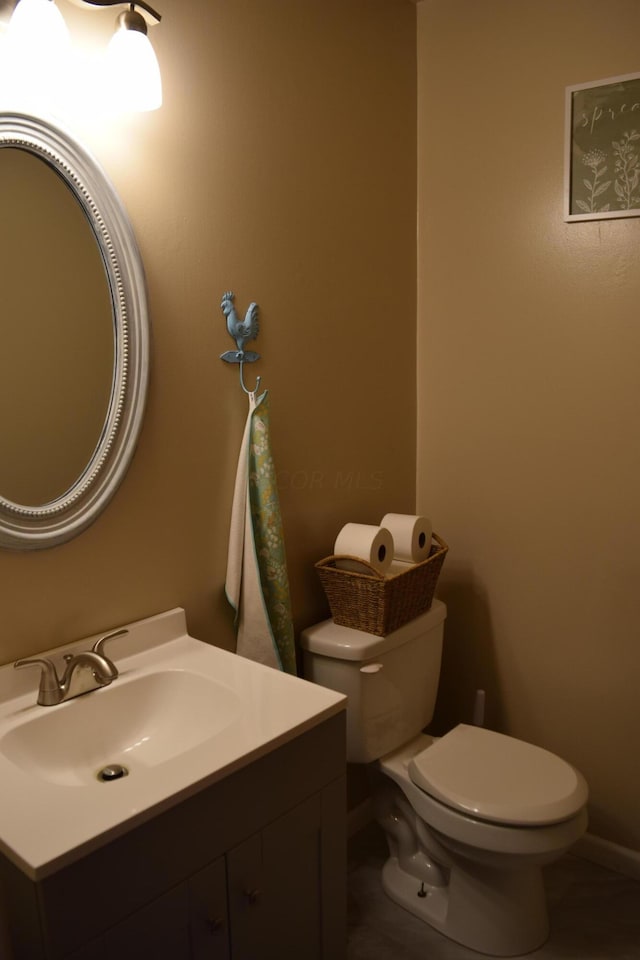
x=466, y=828
x=499, y=779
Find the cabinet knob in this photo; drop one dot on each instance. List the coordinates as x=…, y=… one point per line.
x=252, y=895
x=214, y=923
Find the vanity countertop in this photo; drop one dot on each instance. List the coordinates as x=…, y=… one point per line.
x=182, y=715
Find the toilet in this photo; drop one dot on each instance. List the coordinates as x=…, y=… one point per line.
x=471, y=817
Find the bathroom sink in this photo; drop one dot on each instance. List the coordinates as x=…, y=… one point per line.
x=138, y=722
x=181, y=715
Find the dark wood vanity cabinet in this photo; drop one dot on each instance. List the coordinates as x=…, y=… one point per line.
x=250, y=868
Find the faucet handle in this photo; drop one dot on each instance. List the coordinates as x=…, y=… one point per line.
x=49, y=683
x=98, y=646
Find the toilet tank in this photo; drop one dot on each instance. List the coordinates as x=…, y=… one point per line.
x=391, y=682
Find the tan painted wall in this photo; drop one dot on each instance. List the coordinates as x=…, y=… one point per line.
x=529, y=388
x=282, y=166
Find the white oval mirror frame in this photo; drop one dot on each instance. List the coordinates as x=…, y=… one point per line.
x=25, y=526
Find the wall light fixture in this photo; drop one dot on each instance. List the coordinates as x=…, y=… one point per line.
x=38, y=43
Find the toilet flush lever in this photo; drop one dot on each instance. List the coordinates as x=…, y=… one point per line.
x=371, y=668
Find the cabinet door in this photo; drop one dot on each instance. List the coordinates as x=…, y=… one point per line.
x=208, y=911
x=159, y=931
x=275, y=889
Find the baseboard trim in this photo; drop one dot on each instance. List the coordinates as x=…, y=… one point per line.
x=621, y=859
x=359, y=817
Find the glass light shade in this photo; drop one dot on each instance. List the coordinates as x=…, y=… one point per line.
x=37, y=51
x=38, y=28
x=133, y=71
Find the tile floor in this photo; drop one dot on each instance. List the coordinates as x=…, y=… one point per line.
x=594, y=913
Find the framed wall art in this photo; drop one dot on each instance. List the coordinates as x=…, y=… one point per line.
x=602, y=149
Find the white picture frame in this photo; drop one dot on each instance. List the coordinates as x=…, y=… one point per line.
x=602, y=149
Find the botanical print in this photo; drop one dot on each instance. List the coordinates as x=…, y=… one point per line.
x=604, y=149
x=596, y=160
x=627, y=177
x=627, y=170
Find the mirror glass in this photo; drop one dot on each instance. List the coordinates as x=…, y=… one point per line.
x=58, y=333
x=74, y=361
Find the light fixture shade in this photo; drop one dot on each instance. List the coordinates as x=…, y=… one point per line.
x=38, y=23
x=133, y=71
x=37, y=50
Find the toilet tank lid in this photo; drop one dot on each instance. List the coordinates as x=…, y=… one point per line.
x=329, y=639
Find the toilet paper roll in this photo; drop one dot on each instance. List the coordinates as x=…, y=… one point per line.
x=411, y=536
x=371, y=543
x=399, y=566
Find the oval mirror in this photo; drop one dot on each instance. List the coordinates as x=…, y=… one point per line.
x=74, y=363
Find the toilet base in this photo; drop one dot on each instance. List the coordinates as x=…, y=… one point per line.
x=501, y=913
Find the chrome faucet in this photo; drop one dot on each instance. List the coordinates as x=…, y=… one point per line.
x=84, y=672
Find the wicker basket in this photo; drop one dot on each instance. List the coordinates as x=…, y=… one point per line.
x=377, y=603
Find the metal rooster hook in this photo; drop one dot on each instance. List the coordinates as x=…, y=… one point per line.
x=242, y=331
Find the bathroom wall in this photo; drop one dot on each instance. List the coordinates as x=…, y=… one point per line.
x=282, y=166
x=529, y=389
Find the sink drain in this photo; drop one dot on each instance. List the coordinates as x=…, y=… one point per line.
x=113, y=771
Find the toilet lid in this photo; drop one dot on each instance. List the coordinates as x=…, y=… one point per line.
x=489, y=776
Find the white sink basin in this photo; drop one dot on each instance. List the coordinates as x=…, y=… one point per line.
x=135, y=722
x=181, y=715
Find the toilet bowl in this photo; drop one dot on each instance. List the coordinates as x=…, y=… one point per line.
x=471, y=817
x=489, y=892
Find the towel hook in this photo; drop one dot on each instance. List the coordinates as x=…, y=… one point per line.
x=241, y=331
x=242, y=383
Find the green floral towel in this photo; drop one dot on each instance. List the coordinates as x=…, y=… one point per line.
x=257, y=582
x=268, y=535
